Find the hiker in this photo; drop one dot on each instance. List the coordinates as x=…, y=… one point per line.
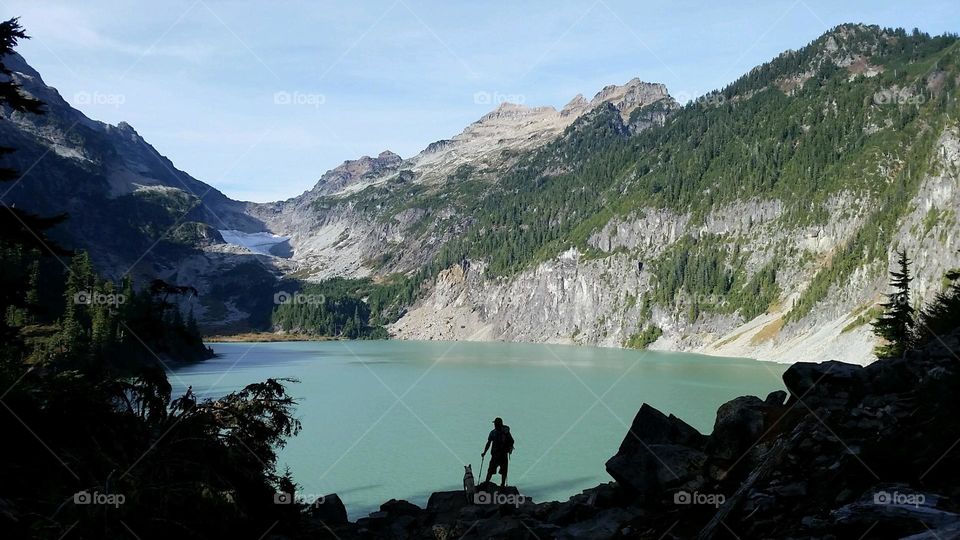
x=502, y=443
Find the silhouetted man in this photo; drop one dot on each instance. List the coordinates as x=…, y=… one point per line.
x=502, y=443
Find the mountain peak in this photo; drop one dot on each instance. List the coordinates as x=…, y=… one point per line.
x=632, y=95
x=124, y=127
x=355, y=170
x=513, y=113
x=849, y=29
x=575, y=106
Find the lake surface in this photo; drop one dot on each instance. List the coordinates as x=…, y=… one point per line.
x=398, y=419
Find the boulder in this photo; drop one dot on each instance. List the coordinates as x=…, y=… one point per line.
x=543, y=530
x=658, y=451
x=329, y=510
x=443, y=531
x=652, y=469
x=498, y=527
x=490, y=487
x=892, y=375
x=395, y=508
x=739, y=425
x=796, y=489
x=443, y=502
x=776, y=398
x=651, y=426
x=606, y=496
x=606, y=524
x=400, y=527
x=474, y=512
x=827, y=382
x=567, y=512
x=374, y=521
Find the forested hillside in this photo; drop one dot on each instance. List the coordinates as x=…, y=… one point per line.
x=857, y=115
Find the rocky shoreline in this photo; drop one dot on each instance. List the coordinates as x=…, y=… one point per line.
x=849, y=452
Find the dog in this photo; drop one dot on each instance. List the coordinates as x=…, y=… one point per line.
x=469, y=485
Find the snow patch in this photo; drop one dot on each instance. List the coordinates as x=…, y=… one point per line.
x=259, y=242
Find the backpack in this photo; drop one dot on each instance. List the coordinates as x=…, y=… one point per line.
x=507, y=439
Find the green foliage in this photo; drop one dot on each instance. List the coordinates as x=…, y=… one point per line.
x=536, y=208
x=755, y=298
x=901, y=327
x=181, y=467
x=706, y=275
x=942, y=315
x=896, y=325
x=94, y=320
x=870, y=242
x=695, y=266
x=347, y=308
x=102, y=320
x=869, y=315
x=644, y=338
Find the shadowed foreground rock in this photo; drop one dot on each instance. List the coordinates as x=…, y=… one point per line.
x=852, y=452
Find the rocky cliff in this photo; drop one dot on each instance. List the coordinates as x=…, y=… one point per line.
x=591, y=291
x=369, y=206
x=593, y=300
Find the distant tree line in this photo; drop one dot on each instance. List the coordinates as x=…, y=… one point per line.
x=346, y=308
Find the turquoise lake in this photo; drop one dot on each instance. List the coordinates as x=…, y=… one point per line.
x=398, y=419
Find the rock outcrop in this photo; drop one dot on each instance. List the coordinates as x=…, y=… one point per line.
x=659, y=451
x=852, y=452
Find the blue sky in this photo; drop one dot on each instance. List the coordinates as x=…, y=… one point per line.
x=260, y=98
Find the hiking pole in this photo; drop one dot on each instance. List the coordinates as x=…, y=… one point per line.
x=482, y=457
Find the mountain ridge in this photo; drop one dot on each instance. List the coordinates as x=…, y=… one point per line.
x=582, y=225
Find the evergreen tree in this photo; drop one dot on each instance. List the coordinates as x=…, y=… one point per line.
x=942, y=315
x=896, y=325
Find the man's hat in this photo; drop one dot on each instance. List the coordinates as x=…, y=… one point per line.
x=498, y=421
